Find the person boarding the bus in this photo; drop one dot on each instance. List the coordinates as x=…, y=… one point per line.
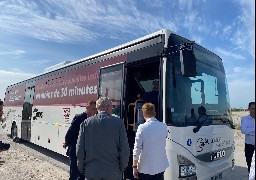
x=134, y=88
x=71, y=139
x=152, y=96
x=248, y=128
x=102, y=147
x=149, y=153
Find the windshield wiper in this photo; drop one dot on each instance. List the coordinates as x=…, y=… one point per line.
x=196, y=129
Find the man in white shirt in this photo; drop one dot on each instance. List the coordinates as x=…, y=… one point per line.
x=149, y=153
x=248, y=128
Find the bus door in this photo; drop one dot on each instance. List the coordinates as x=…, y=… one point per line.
x=111, y=85
x=27, y=113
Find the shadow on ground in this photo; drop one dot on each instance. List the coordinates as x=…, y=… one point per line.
x=239, y=173
x=58, y=157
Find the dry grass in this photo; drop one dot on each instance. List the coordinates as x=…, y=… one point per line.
x=237, y=116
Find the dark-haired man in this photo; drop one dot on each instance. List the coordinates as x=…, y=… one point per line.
x=71, y=139
x=248, y=128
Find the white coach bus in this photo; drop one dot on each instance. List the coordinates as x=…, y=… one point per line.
x=192, y=100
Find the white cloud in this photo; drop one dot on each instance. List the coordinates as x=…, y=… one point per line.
x=244, y=37
x=241, y=82
x=37, y=24
x=83, y=21
x=36, y=63
x=185, y=4
x=242, y=74
x=241, y=92
x=17, y=52
x=198, y=39
x=218, y=27
x=228, y=54
x=87, y=20
x=154, y=3
x=11, y=77
x=227, y=30
x=69, y=21
x=237, y=69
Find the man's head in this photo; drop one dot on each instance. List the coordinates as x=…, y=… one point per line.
x=91, y=108
x=201, y=110
x=251, y=108
x=104, y=104
x=1, y=108
x=137, y=74
x=148, y=110
x=155, y=85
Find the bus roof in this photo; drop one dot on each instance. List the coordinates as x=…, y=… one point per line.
x=108, y=51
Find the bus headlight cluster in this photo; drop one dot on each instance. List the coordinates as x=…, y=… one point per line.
x=187, y=170
x=186, y=167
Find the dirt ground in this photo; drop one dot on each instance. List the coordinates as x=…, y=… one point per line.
x=23, y=163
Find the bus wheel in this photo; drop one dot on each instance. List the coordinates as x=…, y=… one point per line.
x=14, y=131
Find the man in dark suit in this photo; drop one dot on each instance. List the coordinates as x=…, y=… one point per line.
x=71, y=139
x=102, y=146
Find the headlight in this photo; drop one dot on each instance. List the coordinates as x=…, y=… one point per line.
x=187, y=170
x=186, y=167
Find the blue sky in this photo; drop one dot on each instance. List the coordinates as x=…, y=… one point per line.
x=36, y=34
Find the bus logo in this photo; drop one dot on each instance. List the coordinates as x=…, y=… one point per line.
x=189, y=142
x=66, y=114
x=218, y=154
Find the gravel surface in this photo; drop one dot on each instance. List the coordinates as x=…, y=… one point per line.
x=25, y=161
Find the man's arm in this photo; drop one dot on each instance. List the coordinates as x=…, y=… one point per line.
x=124, y=150
x=138, y=144
x=80, y=149
x=74, y=127
x=137, y=151
x=70, y=133
x=245, y=129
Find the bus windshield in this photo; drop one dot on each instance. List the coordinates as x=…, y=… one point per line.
x=203, y=98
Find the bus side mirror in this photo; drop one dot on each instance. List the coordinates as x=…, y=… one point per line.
x=188, y=63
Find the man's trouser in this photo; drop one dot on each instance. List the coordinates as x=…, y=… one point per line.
x=249, y=150
x=74, y=173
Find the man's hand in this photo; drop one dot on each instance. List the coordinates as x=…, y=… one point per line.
x=64, y=145
x=135, y=173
